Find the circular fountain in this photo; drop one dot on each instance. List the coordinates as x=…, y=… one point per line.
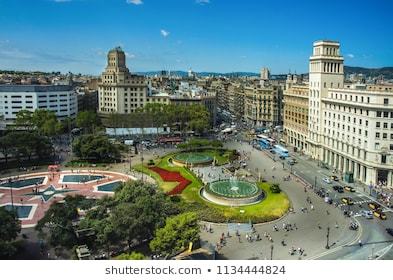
x=192, y=158
x=232, y=192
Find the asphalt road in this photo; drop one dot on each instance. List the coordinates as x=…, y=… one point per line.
x=312, y=225
x=376, y=242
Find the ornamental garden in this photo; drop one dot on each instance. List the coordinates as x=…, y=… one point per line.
x=206, y=179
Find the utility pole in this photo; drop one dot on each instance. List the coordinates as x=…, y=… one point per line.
x=271, y=252
x=315, y=182
x=327, y=238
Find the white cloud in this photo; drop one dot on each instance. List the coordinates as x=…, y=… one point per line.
x=135, y=2
x=129, y=55
x=202, y=2
x=164, y=33
x=350, y=55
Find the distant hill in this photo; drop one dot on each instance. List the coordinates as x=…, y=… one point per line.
x=202, y=74
x=387, y=72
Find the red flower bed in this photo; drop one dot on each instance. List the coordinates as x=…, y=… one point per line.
x=171, y=176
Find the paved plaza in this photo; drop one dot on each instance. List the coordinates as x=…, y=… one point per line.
x=33, y=200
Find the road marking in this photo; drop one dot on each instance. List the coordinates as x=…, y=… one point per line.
x=384, y=251
x=339, y=247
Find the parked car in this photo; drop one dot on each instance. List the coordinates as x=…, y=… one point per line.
x=390, y=231
x=379, y=214
x=353, y=226
x=326, y=180
x=338, y=188
x=272, y=151
x=347, y=200
x=328, y=200
x=334, y=178
x=349, y=189
x=374, y=206
x=367, y=214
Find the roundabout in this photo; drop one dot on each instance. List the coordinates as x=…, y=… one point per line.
x=232, y=192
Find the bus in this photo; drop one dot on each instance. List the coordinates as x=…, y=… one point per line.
x=281, y=151
x=265, y=142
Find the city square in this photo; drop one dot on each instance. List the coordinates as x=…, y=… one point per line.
x=196, y=130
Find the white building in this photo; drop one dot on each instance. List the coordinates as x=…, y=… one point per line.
x=350, y=129
x=61, y=99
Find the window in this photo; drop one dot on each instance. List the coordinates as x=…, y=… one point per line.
x=391, y=147
x=379, y=114
x=386, y=114
x=385, y=125
x=377, y=146
x=385, y=101
x=378, y=125
x=383, y=159
x=377, y=135
x=384, y=135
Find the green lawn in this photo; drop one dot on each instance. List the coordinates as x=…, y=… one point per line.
x=271, y=208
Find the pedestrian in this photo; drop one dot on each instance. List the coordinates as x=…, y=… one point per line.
x=294, y=226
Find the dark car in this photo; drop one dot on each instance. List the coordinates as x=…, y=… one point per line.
x=338, y=189
x=390, y=231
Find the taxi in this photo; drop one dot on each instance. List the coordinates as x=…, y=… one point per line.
x=347, y=200
x=334, y=178
x=374, y=206
x=349, y=189
x=379, y=214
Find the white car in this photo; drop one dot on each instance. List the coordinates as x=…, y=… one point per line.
x=327, y=180
x=367, y=214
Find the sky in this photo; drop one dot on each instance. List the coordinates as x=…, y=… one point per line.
x=204, y=35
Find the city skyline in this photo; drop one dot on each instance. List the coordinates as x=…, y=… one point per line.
x=178, y=35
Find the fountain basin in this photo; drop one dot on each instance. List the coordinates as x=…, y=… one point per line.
x=232, y=192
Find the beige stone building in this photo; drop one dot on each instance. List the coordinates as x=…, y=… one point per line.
x=120, y=91
x=296, y=113
x=262, y=105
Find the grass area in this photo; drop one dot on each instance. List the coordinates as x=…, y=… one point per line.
x=272, y=207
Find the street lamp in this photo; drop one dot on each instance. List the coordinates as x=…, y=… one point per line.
x=315, y=182
x=327, y=238
x=271, y=252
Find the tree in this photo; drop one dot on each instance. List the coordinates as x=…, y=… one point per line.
x=24, y=118
x=131, y=256
x=131, y=216
x=88, y=120
x=7, y=146
x=9, y=230
x=43, y=121
x=95, y=148
x=58, y=220
x=177, y=233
